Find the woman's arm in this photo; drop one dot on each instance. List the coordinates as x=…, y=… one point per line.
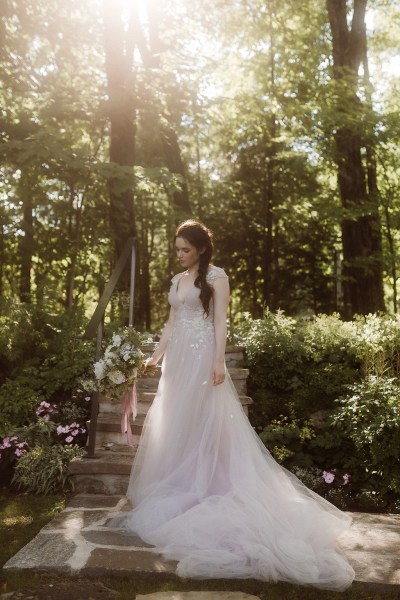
x=163, y=343
x=221, y=302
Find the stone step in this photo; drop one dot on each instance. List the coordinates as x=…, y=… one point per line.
x=108, y=429
x=238, y=375
x=233, y=354
x=109, y=422
x=107, y=473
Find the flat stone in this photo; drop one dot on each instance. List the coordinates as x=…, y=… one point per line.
x=372, y=568
x=368, y=519
x=72, y=590
x=95, y=501
x=43, y=552
x=375, y=539
x=119, y=561
x=209, y=595
x=113, y=538
x=76, y=519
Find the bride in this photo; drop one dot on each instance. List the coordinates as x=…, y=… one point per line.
x=205, y=490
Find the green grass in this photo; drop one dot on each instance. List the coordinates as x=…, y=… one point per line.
x=22, y=516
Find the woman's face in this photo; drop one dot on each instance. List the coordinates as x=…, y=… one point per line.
x=187, y=255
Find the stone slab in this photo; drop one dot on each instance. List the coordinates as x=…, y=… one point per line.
x=112, y=538
x=46, y=552
x=208, y=595
x=71, y=590
x=89, y=501
x=76, y=520
x=127, y=561
x=79, y=541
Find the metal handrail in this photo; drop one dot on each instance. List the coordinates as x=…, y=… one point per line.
x=95, y=326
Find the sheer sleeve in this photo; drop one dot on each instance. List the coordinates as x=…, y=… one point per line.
x=215, y=273
x=176, y=278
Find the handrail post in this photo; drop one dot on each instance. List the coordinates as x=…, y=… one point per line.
x=132, y=286
x=95, y=399
x=97, y=323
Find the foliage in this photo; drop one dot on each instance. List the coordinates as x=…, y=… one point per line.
x=369, y=416
x=286, y=437
x=274, y=351
x=42, y=358
x=342, y=416
x=44, y=470
x=335, y=489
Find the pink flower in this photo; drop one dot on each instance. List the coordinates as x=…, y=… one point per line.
x=328, y=476
x=346, y=478
x=87, y=398
x=75, y=432
x=69, y=439
x=19, y=452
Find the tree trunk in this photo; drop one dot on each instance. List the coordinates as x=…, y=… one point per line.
x=173, y=157
x=361, y=232
x=119, y=48
x=74, y=234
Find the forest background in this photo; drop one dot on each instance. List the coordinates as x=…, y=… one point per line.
x=274, y=122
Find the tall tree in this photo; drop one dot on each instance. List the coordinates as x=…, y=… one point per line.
x=119, y=43
x=361, y=234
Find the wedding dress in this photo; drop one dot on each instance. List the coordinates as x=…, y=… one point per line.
x=205, y=490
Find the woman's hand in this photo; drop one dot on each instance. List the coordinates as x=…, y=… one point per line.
x=218, y=372
x=149, y=362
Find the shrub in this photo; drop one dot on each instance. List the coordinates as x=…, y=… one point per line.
x=44, y=470
x=284, y=437
x=369, y=416
x=43, y=357
x=274, y=351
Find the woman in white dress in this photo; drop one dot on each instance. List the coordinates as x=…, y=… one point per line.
x=204, y=489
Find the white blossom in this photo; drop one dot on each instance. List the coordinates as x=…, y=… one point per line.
x=116, y=340
x=116, y=376
x=99, y=369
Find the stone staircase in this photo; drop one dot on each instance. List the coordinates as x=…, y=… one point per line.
x=108, y=472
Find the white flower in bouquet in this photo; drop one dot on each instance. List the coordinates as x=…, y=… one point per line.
x=116, y=340
x=99, y=369
x=116, y=376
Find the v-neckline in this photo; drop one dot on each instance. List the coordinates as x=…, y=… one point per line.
x=177, y=286
x=191, y=287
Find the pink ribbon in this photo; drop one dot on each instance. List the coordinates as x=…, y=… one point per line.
x=129, y=407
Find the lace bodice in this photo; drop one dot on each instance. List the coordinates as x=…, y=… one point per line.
x=191, y=307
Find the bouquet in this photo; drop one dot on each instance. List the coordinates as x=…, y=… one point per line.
x=121, y=364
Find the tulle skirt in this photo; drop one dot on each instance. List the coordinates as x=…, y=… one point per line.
x=207, y=493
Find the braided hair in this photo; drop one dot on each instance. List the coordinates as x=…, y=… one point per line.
x=201, y=238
